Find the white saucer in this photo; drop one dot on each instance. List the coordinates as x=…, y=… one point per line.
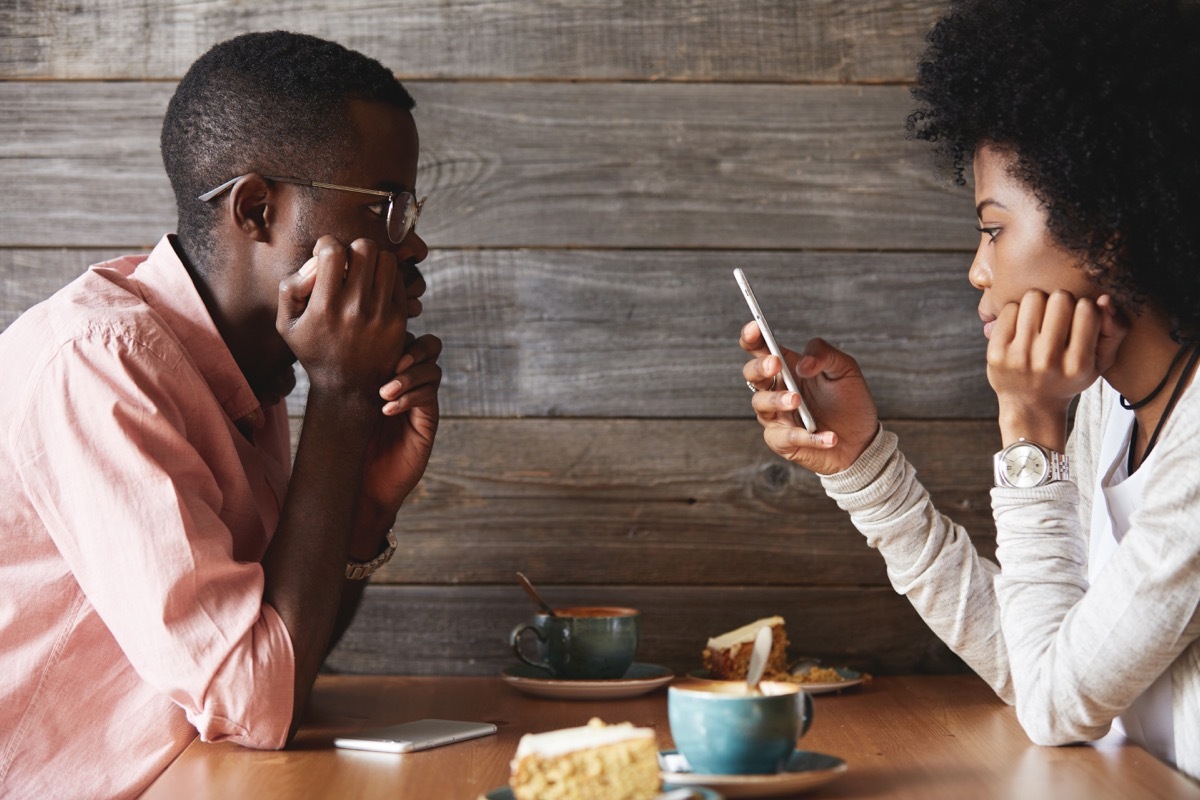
x=805, y=770
x=505, y=793
x=639, y=679
x=849, y=677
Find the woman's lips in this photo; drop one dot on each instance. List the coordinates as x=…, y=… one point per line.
x=989, y=322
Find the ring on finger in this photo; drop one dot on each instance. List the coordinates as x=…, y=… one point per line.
x=771, y=388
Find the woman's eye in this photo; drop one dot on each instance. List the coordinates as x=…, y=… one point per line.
x=991, y=232
x=378, y=209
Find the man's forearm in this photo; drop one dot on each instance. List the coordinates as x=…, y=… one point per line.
x=304, y=566
x=352, y=592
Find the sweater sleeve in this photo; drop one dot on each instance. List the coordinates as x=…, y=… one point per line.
x=930, y=559
x=1080, y=655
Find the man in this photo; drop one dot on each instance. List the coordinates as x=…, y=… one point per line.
x=165, y=570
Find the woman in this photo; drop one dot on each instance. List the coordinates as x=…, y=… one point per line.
x=1076, y=119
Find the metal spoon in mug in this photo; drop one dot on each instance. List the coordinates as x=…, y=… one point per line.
x=532, y=592
x=758, y=659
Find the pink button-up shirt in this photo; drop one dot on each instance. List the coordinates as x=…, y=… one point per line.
x=133, y=517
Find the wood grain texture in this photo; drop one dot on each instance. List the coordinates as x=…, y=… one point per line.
x=670, y=502
x=594, y=173
x=654, y=333
x=670, y=40
x=612, y=166
x=944, y=737
x=570, y=333
x=464, y=630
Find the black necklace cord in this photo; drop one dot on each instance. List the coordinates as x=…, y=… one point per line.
x=1176, y=393
x=1161, y=384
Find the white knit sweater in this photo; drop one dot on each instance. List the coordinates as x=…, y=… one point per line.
x=1072, y=657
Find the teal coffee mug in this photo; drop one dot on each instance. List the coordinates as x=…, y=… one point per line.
x=721, y=729
x=586, y=642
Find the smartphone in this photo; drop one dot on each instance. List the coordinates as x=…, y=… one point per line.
x=789, y=379
x=409, y=737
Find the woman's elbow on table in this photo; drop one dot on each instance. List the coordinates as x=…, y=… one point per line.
x=1052, y=726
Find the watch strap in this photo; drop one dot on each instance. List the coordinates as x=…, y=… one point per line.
x=357, y=571
x=1060, y=466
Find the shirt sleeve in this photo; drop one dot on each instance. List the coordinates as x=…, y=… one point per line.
x=126, y=457
x=930, y=559
x=1082, y=654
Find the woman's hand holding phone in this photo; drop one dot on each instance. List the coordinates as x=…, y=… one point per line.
x=768, y=337
x=837, y=394
x=832, y=383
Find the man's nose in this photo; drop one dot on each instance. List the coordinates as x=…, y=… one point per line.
x=412, y=249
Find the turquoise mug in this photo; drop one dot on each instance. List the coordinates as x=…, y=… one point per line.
x=721, y=729
x=586, y=642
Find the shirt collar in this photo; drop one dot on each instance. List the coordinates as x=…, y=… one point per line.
x=168, y=289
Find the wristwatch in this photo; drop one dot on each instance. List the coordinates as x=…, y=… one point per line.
x=1024, y=464
x=357, y=571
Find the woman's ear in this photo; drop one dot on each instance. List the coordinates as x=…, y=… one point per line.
x=250, y=206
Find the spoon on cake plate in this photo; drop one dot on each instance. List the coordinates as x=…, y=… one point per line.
x=758, y=659
x=532, y=592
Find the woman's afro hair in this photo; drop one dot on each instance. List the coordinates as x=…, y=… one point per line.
x=1097, y=103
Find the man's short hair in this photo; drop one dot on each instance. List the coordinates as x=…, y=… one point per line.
x=273, y=103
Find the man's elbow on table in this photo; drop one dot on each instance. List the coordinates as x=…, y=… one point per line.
x=250, y=700
x=257, y=735
x=260, y=719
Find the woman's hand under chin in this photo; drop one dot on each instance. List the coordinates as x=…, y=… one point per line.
x=1043, y=352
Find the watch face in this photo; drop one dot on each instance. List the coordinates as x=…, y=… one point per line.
x=1025, y=466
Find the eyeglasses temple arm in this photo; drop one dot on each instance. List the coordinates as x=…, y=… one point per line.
x=209, y=195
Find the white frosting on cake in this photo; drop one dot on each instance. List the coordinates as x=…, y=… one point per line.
x=569, y=740
x=743, y=634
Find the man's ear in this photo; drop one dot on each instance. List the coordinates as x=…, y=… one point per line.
x=251, y=207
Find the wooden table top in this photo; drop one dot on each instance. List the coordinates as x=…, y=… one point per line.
x=901, y=737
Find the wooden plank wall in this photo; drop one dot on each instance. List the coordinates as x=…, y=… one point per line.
x=594, y=171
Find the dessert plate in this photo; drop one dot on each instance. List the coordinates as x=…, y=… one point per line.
x=700, y=793
x=849, y=677
x=639, y=679
x=805, y=770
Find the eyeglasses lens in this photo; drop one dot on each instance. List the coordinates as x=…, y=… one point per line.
x=402, y=216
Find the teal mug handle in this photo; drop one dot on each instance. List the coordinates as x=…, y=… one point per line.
x=805, y=712
x=515, y=641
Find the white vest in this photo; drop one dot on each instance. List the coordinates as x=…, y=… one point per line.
x=1149, y=721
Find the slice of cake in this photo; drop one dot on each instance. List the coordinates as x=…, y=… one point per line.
x=727, y=656
x=593, y=762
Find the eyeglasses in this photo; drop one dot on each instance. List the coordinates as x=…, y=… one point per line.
x=403, y=210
